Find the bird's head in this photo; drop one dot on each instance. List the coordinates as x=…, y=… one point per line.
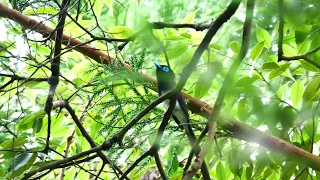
x=164, y=73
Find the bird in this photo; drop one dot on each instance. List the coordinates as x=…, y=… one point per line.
x=166, y=81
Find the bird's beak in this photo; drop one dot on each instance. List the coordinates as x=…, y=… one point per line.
x=157, y=65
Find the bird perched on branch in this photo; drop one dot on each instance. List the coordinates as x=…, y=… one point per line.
x=166, y=82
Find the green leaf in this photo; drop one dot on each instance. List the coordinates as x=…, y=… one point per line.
x=172, y=32
x=177, y=50
x=235, y=47
x=312, y=89
x=95, y=126
x=206, y=79
x=243, y=109
x=318, y=175
x=121, y=32
x=310, y=127
x=21, y=164
x=288, y=169
x=31, y=95
x=160, y=34
x=300, y=71
x=267, y=173
x=215, y=46
x=287, y=73
x=249, y=172
x=296, y=92
x=281, y=90
x=97, y=7
x=303, y=175
x=37, y=126
x=301, y=34
x=303, y=47
x=314, y=44
x=257, y=50
x=73, y=74
x=208, y=56
x=234, y=163
x=221, y=174
x=308, y=66
x=186, y=35
x=289, y=50
x=109, y=4
x=189, y=18
x=41, y=10
x=175, y=38
x=196, y=37
x=277, y=72
x=260, y=166
x=72, y=172
x=270, y=65
x=273, y=58
x=9, y=144
x=84, y=174
x=2, y=174
x=28, y=121
x=263, y=36
x=288, y=116
x=172, y=159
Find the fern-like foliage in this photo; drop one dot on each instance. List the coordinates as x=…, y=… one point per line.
x=119, y=98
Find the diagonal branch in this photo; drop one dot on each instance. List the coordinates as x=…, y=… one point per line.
x=213, y=118
x=155, y=146
x=104, y=158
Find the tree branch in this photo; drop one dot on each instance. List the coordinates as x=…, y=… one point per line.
x=55, y=67
x=239, y=129
x=280, y=30
x=159, y=165
x=197, y=27
x=15, y=77
x=213, y=118
x=303, y=56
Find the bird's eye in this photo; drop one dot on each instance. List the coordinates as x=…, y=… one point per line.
x=166, y=69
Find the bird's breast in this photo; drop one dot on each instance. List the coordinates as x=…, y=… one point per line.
x=178, y=111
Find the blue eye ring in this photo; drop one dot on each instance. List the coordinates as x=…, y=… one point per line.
x=166, y=69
